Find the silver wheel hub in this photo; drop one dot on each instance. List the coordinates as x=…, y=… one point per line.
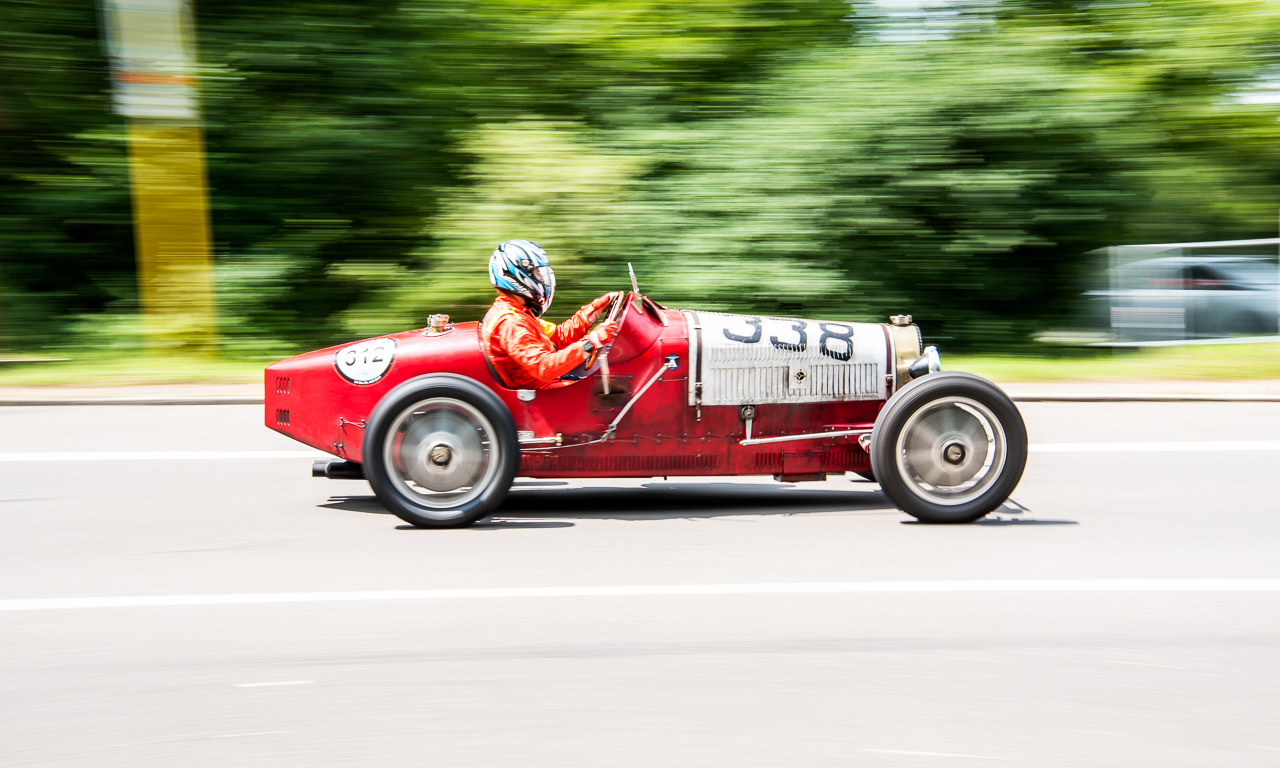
x=441, y=452
x=951, y=450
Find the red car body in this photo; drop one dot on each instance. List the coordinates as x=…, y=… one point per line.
x=685, y=393
x=308, y=400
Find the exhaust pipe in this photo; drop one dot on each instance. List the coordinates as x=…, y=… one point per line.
x=338, y=469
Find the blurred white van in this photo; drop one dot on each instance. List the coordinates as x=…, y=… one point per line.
x=1188, y=297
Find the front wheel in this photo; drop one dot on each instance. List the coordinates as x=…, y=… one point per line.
x=949, y=448
x=440, y=451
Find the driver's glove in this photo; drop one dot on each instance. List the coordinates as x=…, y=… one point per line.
x=600, y=336
x=598, y=306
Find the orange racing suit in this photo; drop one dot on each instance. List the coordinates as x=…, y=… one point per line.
x=529, y=353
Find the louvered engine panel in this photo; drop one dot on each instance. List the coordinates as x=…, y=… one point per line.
x=746, y=359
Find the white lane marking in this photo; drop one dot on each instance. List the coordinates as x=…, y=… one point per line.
x=1201, y=446
x=656, y=590
x=159, y=455
x=927, y=754
x=255, y=733
x=1144, y=664
x=284, y=682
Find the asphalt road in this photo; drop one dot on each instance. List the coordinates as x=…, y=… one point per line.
x=1054, y=649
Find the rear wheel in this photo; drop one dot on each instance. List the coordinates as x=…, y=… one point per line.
x=949, y=448
x=440, y=451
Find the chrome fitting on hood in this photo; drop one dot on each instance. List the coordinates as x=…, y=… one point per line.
x=925, y=364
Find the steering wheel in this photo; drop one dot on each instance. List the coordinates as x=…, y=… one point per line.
x=617, y=313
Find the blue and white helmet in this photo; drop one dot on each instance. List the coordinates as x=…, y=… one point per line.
x=522, y=268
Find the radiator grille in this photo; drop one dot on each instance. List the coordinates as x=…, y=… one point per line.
x=745, y=359
x=733, y=381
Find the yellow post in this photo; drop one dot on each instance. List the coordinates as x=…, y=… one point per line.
x=171, y=231
x=152, y=65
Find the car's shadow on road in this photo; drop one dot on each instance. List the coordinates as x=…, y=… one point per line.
x=1005, y=521
x=686, y=501
x=548, y=505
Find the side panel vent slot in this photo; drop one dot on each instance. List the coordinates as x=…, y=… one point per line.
x=282, y=416
x=282, y=385
x=769, y=460
x=845, y=457
x=619, y=463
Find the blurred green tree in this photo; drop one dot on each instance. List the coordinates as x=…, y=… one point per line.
x=952, y=159
x=65, y=232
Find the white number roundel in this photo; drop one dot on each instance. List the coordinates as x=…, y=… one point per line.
x=365, y=362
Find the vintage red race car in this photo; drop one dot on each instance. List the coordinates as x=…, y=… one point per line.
x=423, y=417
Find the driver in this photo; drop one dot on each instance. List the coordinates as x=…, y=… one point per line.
x=526, y=351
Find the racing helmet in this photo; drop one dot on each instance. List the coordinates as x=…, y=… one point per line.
x=521, y=267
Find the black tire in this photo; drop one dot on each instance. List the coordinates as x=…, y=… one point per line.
x=460, y=433
x=943, y=428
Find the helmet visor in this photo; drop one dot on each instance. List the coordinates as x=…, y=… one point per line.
x=546, y=279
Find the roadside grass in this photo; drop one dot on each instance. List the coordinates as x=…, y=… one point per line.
x=1225, y=362
x=104, y=370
